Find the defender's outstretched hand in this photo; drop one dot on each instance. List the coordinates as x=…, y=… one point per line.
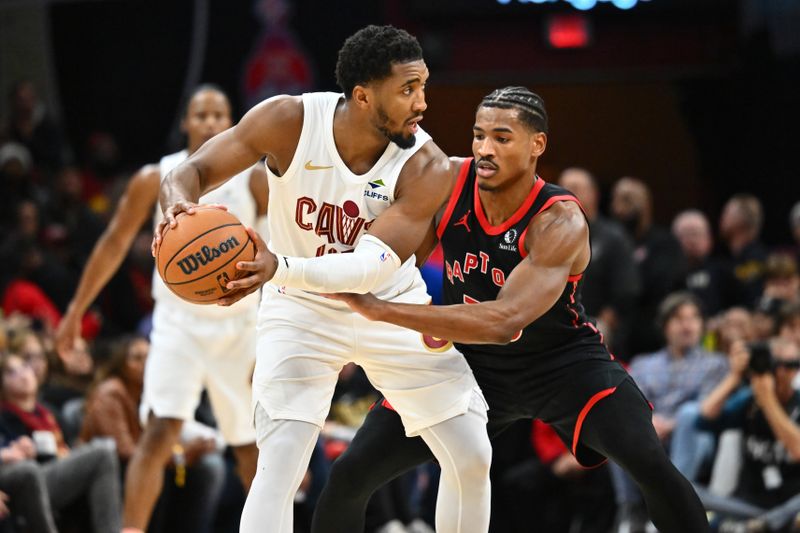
x=170, y=220
x=364, y=304
x=262, y=268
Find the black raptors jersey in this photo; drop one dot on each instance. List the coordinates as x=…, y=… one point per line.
x=477, y=259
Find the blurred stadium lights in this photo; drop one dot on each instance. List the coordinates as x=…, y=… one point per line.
x=33, y=3
x=583, y=5
x=568, y=31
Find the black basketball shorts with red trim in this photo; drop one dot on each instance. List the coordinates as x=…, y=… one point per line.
x=562, y=398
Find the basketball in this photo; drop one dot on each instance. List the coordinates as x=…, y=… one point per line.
x=198, y=257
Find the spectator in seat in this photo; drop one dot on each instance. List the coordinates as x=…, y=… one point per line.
x=781, y=280
x=740, y=227
x=31, y=124
x=789, y=323
x=735, y=324
x=197, y=469
x=23, y=487
x=612, y=286
x=658, y=256
x=767, y=411
x=707, y=277
x=89, y=471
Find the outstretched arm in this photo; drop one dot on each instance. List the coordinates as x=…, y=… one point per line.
x=558, y=245
x=271, y=128
x=135, y=207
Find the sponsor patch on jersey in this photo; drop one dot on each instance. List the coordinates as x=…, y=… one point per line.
x=510, y=236
x=509, y=241
x=373, y=193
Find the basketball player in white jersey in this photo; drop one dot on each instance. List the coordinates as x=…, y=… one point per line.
x=193, y=347
x=347, y=173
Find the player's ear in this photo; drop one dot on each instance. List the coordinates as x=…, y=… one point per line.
x=361, y=96
x=538, y=144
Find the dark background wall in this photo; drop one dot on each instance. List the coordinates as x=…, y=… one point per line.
x=699, y=98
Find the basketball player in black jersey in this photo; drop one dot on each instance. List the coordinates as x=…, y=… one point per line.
x=515, y=249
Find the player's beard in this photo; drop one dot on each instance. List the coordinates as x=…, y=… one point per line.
x=396, y=137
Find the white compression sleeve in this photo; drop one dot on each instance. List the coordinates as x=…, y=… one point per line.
x=371, y=263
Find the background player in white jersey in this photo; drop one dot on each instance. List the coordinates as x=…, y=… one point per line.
x=192, y=346
x=340, y=165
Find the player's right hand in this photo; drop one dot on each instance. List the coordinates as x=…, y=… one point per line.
x=69, y=329
x=364, y=304
x=255, y=273
x=170, y=219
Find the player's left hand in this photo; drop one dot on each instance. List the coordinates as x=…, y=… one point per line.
x=363, y=304
x=260, y=270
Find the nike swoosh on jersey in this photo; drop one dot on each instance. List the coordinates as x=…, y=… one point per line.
x=309, y=166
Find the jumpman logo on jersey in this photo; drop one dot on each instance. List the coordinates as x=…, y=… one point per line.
x=463, y=221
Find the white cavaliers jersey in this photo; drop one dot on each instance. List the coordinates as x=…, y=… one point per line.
x=236, y=196
x=320, y=207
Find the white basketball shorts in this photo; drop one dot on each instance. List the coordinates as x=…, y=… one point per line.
x=304, y=343
x=189, y=353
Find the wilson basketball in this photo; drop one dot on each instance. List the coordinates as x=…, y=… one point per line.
x=197, y=258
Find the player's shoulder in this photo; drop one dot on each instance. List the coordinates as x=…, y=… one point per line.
x=457, y=167
x=273, y=126
x=286, y=104
x=428, y=162
x=562, y=212
x=147, y=176
x=278, y=110
x=143, y=187
x=457, y=162
x=562, y=221
x=426, y=176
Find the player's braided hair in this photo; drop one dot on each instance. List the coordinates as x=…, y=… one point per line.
x=368, y=55
x=529, y=105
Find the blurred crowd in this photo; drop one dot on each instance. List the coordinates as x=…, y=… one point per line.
x=703, y=313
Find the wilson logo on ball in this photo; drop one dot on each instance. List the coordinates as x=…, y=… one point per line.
x=197, y=258
x=207, y=254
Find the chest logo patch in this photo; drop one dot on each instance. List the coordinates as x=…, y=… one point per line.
x=464, y=221
x=509, y=241
x=310, y=166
